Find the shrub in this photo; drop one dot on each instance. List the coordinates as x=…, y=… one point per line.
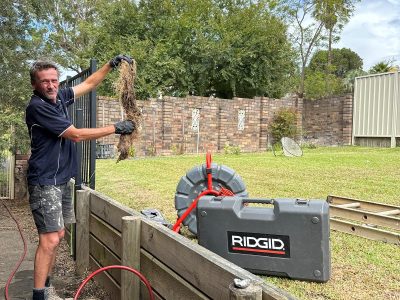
x=283, y=124
x=229, y=149
x=131, y=151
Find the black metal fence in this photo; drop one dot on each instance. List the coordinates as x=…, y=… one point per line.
x=83, y=115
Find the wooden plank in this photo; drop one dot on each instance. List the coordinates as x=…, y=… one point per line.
x=144, y=294
x=105, y=257
x=202, y=268
x=105, y=281
x=364, y=205
x=109, y=210
x=165, y=281
x=82, y=231
x=350, y=205
x=363, y=216
x=106, y=234
x=67, y=235
x=130, y=284
x=250, y=292
x=365, y=231
x=390, y=212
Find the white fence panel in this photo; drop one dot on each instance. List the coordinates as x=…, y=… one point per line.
x=7, y=164
x=376, y=109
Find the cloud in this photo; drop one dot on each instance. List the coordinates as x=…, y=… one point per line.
x=373, y=32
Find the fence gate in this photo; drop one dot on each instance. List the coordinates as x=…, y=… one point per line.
x=83, y=115
x=7, y=164
x=376, y=110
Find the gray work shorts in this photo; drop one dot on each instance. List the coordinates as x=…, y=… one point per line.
x=51, y=206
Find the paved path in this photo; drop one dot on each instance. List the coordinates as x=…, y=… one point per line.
x=11, y=250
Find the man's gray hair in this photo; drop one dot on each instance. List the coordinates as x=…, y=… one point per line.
x=42, y=65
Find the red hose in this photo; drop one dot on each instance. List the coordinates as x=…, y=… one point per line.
x=209, y=171
x=142, y=278
x=209, y=191
x=193, y=205
x=21, y=258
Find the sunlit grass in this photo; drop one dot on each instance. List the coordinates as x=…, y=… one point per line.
x=361, y=268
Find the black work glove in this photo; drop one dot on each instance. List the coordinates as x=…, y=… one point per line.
x=117, y=60
x=124, y=127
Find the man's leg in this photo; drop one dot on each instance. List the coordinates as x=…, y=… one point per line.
x=61, y=234
x=45, y=202
x=45, y=257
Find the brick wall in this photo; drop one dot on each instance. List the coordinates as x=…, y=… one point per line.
x=328, y=121
x=167, y=123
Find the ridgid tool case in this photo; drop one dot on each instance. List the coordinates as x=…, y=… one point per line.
x=281, y=237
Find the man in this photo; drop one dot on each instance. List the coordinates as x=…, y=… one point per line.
x=53, y=159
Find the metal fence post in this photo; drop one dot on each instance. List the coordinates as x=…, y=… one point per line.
x=93, y=116
x=79, y=124
x=78, y=178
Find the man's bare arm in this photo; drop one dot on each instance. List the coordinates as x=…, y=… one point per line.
x=84, y=134
x=92, y=81
x=97, y=77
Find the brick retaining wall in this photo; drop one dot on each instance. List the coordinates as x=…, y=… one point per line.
x=328, y=121
x=167, y=123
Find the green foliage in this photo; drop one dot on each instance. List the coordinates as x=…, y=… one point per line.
x=231, y=149
x=334, y=14
x=343, y=61
x=201, y=47
x=177, y=149
x=18, y=44
x=324, y=79
x=132, y=151
x=283, y=124
x=348, y=81
x=318, y=85
x=382, y=67
x=311, y=24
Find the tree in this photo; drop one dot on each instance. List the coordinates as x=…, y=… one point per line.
x=64, y=28
x=204, y=47
x=343, y=60
x=17, y=48
x=323, y=80
x=349, y=80
x=315, y=85
x=333, y=14
x=383, y=67
x=304, y=32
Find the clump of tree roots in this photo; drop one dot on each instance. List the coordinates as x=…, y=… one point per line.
x=126, y=94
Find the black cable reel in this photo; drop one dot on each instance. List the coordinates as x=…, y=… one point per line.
x=195, y=182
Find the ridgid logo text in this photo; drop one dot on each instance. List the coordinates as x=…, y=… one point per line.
x=259, y=244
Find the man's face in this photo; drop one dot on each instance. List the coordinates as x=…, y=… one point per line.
x=46, y=83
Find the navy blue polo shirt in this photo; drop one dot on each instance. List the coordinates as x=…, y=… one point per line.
x=53, y=158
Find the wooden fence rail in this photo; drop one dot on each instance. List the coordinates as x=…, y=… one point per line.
x=108, y=233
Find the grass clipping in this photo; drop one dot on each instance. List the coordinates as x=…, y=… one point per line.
x=126, y=94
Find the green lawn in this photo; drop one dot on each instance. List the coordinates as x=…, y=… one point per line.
x=361, y=268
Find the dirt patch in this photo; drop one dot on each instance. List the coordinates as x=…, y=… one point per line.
x=64, y=277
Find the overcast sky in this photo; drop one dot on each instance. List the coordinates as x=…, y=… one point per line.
x=373, y=32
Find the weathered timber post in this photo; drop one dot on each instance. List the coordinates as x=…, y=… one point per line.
x=130, y=283
x=244, y=290
x=82, y=230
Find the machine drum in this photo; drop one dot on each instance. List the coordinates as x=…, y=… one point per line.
x=195, y=182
